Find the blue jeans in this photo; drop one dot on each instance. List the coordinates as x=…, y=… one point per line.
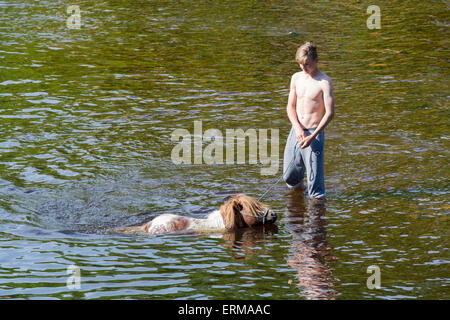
x=310, y=159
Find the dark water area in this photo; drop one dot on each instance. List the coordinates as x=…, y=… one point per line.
x=86, y=120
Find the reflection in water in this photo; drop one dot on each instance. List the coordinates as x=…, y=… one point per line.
x=309, y=248
x=249, y=240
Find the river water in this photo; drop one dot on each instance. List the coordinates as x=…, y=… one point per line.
x=85, y=146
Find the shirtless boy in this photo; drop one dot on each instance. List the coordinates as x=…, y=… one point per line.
x=310, y=108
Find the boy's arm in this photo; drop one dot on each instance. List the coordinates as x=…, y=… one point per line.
x=292, y=112
x=328, y=100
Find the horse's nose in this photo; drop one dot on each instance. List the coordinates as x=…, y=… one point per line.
x=273, y=216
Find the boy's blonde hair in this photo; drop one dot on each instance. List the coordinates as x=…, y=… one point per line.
x=308, y=51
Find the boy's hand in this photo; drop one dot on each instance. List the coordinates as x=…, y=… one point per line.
x=306, y=142
x=300, y=135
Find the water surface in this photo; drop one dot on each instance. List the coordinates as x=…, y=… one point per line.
x=85, y=146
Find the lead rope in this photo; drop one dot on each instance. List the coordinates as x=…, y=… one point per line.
x=290, y=164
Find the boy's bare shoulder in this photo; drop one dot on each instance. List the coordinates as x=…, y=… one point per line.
x=324, y=77
x=297, y=75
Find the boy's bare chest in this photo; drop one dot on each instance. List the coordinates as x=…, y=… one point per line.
x=308, y=89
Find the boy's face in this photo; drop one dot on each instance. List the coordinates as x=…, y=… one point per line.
x=309, y=66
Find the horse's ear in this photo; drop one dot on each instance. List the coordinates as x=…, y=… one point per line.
x=237, y=205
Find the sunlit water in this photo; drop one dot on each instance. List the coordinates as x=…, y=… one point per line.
x=86, y=121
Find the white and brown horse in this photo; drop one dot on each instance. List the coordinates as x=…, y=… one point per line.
x=238, y=211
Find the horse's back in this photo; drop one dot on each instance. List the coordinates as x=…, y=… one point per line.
x=167, y=223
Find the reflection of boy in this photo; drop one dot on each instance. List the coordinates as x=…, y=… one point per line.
x=310, y=108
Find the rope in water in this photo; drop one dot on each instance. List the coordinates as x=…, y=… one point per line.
x=290, y=164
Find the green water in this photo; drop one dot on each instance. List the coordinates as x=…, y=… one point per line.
x=86, y=120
